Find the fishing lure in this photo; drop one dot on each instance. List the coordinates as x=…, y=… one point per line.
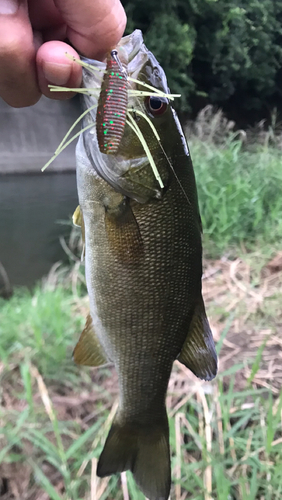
x=112, y=108
x=112, y=104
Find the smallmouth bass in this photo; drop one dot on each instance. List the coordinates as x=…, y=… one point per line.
x=143, y=264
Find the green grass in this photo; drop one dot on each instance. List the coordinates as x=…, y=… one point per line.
x=39, y=326
x=231, y=448
x=38, y=332
x=239, y=195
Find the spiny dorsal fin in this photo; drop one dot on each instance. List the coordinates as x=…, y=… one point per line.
x=88, y=350
x=198, y=351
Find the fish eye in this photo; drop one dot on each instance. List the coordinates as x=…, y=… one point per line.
x=156, y=105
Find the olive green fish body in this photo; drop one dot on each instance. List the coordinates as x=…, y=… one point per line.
x=143, y=260
x=143, y=284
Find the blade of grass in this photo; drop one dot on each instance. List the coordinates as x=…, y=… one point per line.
x=26, y=377
x=256, y=363
x=44, y=481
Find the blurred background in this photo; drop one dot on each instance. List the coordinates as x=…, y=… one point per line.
x=31, y=202
x=225, y=58
x=227, y=53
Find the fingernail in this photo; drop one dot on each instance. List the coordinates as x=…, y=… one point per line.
x=56, y=73
x=8, y=6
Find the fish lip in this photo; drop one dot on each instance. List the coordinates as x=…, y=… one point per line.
x=138, y=56
x=136, y=51
x=105, y=166
x=133, y=44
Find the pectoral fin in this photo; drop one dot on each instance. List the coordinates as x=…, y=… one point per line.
x=77, y=217
x=123, y=232
x=78, y=221
x=198, y=351
x=88, y=350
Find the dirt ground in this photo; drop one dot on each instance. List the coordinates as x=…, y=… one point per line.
x=247, y=303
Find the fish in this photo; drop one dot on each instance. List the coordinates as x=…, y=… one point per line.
x=143, y=265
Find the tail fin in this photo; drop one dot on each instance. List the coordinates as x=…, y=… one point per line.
x=144, y=451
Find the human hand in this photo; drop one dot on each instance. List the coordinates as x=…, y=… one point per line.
x=32, y=50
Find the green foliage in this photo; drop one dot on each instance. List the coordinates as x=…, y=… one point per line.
x=239, y=45
x=239, y=195
x=167, y=35
x=30, y=323
x=219, y=48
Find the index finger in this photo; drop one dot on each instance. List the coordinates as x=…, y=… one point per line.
x=93, y=26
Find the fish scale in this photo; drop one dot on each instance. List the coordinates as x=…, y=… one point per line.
x=143, y=265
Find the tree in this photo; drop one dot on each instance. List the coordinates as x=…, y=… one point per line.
x=222, y=49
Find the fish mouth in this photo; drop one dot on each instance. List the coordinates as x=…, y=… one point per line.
x=141, y=62
x=137, y=54
x=122, y=173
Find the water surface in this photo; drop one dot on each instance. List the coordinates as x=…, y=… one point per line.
x=30, y=206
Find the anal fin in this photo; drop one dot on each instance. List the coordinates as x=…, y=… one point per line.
x=88, y=350
x=198, y=351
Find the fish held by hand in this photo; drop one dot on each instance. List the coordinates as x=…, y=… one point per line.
x=143, y=260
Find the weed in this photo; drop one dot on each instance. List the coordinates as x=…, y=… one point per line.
x=226, y=441
x=239, y=196
x=238, y=183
